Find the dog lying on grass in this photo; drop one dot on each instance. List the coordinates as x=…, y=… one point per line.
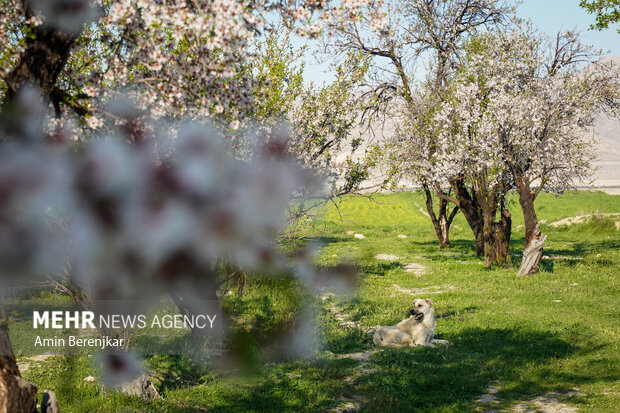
x=417, y=330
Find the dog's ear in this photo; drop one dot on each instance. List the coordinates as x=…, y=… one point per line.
x=429, y=302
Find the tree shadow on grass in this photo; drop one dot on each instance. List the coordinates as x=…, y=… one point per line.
x=315, y=386
x=453, y=378
x=438, y=379
x=571, y=257
x=379, y=269
x=580, y=249
x=444, y=314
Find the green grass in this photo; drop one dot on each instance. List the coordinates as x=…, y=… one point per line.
x=557, y=330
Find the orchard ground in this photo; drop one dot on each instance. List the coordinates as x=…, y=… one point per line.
x=550, y=340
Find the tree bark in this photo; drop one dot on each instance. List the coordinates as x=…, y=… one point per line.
x=534, y=239
x=501, y=238
x=496, y=235
x=16, y=394
x=441, y=221
x=532, y=253
x=43, y=59
x=472, y=212
x=45, y=56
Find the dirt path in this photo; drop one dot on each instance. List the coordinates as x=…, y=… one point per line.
x=435, y=289
x=580, y=219
x=351, y=402
x=546, y=403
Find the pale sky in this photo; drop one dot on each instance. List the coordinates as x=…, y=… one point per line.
x=549, y=16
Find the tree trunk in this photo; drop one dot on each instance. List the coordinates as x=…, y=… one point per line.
x=44, y=57
x=496, y=234
x=441, y=221
x=16, y=394
x=444, y=229
x=487, y=234
x=534, y=239
x=501, y=239
x=532, y=253
x=472, y=213
x=42, y=61
x=474, y=218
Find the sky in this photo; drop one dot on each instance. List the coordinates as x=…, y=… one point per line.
x=552, y=15
x=548, y=16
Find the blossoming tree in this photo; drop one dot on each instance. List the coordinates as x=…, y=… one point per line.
x=397, y=35
x=520, y=116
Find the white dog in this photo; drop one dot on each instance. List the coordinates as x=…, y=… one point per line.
x=417, y=330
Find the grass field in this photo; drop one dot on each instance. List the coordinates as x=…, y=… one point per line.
x=526, y=342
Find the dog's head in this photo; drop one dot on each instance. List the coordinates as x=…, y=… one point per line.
x=421, y=308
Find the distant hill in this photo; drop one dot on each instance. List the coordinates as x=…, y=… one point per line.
x=607, y=132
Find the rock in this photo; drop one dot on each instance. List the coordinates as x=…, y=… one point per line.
x=403, y=236
x=359, y=236
x=417, y=269
x=49, y=404
x=141, y=387
x=387, y=257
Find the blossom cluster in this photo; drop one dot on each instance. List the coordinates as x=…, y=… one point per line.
x=136, y=219
x=176, y=58
x=509, y=112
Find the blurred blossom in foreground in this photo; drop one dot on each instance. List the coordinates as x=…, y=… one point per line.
x=139, y=219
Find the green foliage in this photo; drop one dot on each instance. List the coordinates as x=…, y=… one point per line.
x=278, y=72
x=606, y=12
x=323, y=123
x=321, y=118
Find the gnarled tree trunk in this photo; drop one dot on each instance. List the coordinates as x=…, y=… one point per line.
x=44, y=57
x=472, y=212
x=534, y=239
x=496, y=235
x=501, y=238
x=17, y=395
x=532, y=253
